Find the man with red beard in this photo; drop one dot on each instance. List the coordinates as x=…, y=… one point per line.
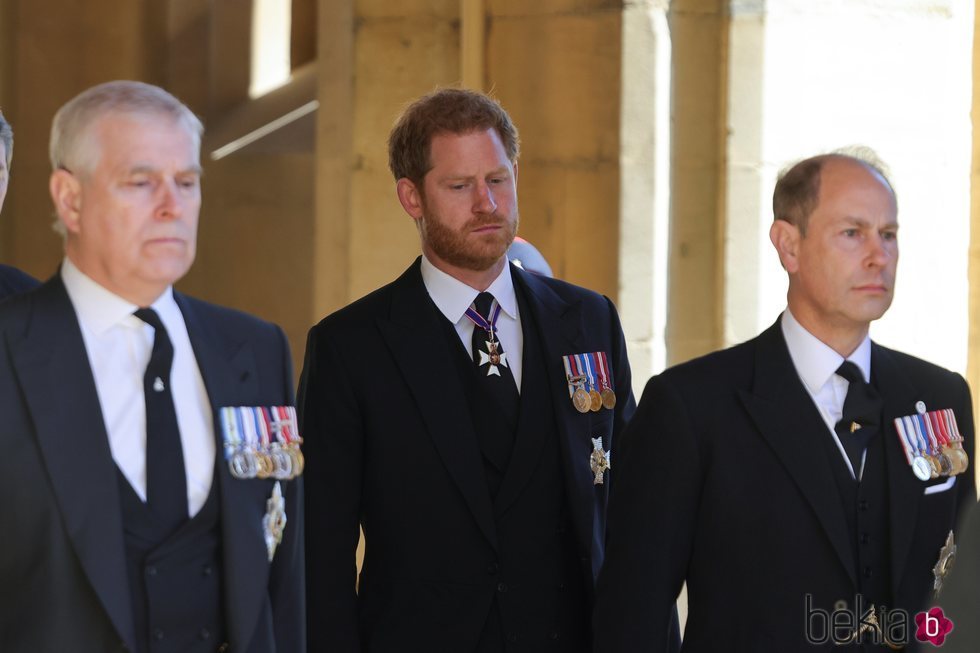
x=465, y=416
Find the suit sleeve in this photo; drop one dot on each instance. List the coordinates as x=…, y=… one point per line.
x=652, y=518
x=287, y=578
x=331, y=425
x=967, y=496
x=623, y=379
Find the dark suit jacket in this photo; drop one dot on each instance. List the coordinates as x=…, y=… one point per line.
x=13, y=281
x=724, y=482
x=391, y=446
x=62, y=560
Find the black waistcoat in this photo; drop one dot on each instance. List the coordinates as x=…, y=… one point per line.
x=174, y=578
x=865, y=506
x=541, y=603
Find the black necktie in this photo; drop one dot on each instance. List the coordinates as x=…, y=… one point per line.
x=166, y=484
x=500, y=385
x=860, y=417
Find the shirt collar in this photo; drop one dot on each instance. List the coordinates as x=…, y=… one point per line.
x=816, y=362
x=452, y=297
x=100, y=309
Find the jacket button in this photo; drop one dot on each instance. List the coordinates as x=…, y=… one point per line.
x=204, y=634
x=492, y=568
x=867, y=572
x=157, y=634
x=554, y=634
x=206, y=571
x=501, y=587
x=561, y=587
x=863, y=505
x=865, y=538
x=151, y=571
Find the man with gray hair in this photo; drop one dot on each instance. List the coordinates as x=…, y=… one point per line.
x=805, y=484
x=151, y=466
x=12, y=280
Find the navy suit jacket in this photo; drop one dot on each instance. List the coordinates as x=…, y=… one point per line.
x=13, y=281
x=62, y=557
x=391, y=446
x=724, y=482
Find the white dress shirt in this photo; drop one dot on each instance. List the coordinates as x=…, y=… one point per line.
x=119, y=345
x=452, y=297
x=816, y=363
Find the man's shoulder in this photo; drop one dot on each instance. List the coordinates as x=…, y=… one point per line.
x=14, y=281
x=224, y=317
x=916, y=369
x=568, y=292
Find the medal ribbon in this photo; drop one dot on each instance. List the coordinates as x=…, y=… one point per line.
x=938, y=428
x=481, y=321
x=583, y=361
x=600, y=364
x=572, y=372
x=952, y=425
x=232, y=434
x=918, y=444
x=903, y=437
x=924, y=448
x=926, y=426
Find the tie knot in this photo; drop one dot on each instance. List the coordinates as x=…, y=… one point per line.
x=149, y=316
x=850, y=371
x=483, y=303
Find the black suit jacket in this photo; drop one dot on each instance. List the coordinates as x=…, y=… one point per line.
x=13, y=281
x=391, y=446
x=62, y=560
x=724, y=483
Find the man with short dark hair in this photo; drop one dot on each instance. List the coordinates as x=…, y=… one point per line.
x=149, y=506
x=805, y=471
x=12, y=280
x=465, y=415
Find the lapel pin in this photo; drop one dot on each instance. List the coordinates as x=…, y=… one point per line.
x=855, y=427
x=920, y=407
x=158, y=384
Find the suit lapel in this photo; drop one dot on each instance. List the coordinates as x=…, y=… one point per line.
x=53, y=369
x=417, y=344
x=904, y=490
x=229, y=370
x=560, y=332
x=786, y=417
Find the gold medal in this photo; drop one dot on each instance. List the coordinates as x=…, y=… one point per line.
x=600, y=461
x=608, y=398
x=265, y=464
x=595, y=400
x=581, y=400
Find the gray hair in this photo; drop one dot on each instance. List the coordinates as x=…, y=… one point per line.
x=7, y=138
x=70, y=147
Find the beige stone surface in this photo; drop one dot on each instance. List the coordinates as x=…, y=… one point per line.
x=699, y=31
x=254, y=240
x=522, y=8
x=439, y=9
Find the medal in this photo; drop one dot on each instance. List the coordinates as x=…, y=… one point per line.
x=947, y=555
x=947, y=418
x=261, y=442
x=576, y=379
x=601, y=365
x=599, y=461
x=274, y=522
x=595, y=403
x=921, y=467
x=492, y=357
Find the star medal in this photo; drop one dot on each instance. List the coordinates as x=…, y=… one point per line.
x=493, y=356
x=599, y=461
x=947, y=555
x=274, y=522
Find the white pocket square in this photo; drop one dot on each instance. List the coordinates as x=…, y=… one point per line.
x=941, y=487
